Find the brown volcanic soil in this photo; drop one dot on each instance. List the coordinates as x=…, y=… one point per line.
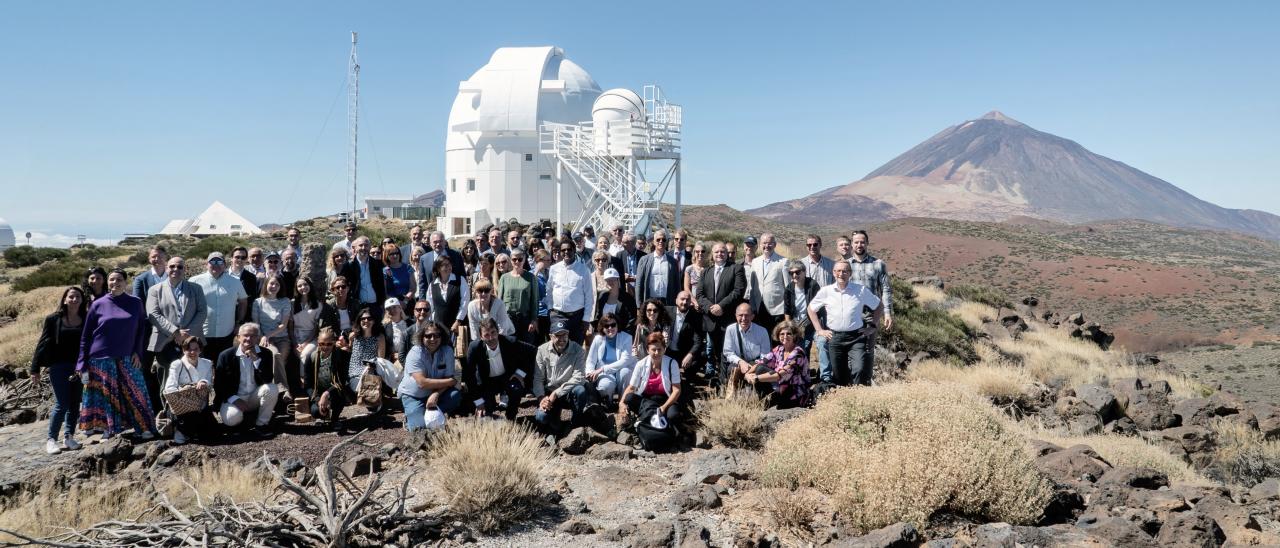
x=1156, y=287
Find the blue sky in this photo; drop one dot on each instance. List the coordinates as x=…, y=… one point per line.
x=117, y=117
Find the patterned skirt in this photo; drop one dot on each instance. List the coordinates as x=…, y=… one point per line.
x=115, y=398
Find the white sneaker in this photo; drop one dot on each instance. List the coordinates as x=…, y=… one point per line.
x=70, y=443
x=51, y=447
x=146, y=435
x=179, y=438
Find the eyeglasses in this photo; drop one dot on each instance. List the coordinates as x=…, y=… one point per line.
x=608, y=325
x=337, y=287
x=566, y=249
x=239, y=257
x=274, y=261
x=599, y=260
x=483, y=291
x=656, y=240
x=366, y=318
x=430, y=335
x=421, y=309
x=812, y=245
x=216, y=261
x=176, y=267
x=794, y=272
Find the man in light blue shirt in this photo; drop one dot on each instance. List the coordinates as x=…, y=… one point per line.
x=225, y=301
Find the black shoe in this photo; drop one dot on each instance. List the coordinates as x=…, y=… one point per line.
x=261, y=433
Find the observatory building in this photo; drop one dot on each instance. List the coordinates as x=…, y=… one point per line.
x=6, y=236
x=532, y=137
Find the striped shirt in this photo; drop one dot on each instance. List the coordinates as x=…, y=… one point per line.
x=872, y=273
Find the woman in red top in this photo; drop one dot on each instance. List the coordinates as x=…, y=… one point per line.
x=654, y=386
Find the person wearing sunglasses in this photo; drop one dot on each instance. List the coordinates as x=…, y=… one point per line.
x=429, y=381
x=398, y=274
x=658, y=275
x=176, y=311
x=610, y=358
x=485, y=306
x=799, y=293
x=225, y=303
x=518, y=289
x=569, y=291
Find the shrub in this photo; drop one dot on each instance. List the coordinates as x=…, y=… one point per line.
x=18, y=340
x=921, y=328
x=988, y=295
x=1001, y=382
x=735, y=422
x=489, y=471
x=58, y=273
x=205, y=246
x=1244, y=456
x=904, y=452
x=95, y=253
x=25, y=255
x=725, y=236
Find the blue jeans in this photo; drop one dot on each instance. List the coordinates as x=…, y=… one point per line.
x=415, y=408
x=66, y=399
x=824, y=358
x=576, y=401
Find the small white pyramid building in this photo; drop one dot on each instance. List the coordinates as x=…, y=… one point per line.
x=218, y=219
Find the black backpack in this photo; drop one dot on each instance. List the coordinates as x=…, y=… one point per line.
x=654, y=439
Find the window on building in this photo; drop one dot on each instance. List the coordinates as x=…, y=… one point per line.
x=236, y=227
x=453, y=185
x=544, y=177
x=213, y=227
x=471, y=185
x=528, y=157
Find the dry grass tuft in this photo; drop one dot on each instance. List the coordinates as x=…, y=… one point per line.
x=974, y=314
x=18, y=339
x=795, y=515
x=734, y=422
x=489, y=471
x=927, y=294
x=1121, y=451
x=51, y=509
x=903, y=452
x=1001, y=382
x=1053, y=357
x=1244, y=456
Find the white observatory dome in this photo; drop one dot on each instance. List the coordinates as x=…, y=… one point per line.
x=618, y=104
x=6, y=235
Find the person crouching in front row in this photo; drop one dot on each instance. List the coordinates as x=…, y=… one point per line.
x=497, y=365
x=244, y=382
x=654, y=386
x=325, y=378
x=430, y=380
x=559, y=382
x=189, y=369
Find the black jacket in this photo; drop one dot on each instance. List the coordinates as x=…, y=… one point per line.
x=352, y=272
x=626, y=310
x=516, y=356
x=644, y=287
x=799, y=317
x=691, y=337
x=226, y=373
x=52, y=347
x=729, y=294
x=338, y=367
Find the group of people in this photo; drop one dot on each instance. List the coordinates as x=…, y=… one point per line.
x=575, y=322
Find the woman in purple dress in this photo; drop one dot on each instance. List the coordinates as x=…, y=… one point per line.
x=115, y=394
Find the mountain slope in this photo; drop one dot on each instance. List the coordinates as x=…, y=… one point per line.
x=995, y=168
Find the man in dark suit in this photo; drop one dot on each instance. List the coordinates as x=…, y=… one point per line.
x=244, y=382
x=497, y=365
x=627, y=259
x=724, y=285
x=325, y=379
x=686, y=338
x=364, y=273
x=678, y=252
x=659, y=267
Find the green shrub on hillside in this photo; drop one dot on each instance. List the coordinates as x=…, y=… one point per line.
x=723, y=236
x=919, y=328
x=25, y=255
x=58, y=273
x=985, y=294
x=90, y=252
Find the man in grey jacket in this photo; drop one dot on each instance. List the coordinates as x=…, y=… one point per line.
x=559, y=382
x=176, y=311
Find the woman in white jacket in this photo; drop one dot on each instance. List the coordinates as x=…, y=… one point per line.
x=610, y=359
x=191, y=369
x=487, y=305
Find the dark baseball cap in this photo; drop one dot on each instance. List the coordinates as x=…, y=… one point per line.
x=749, y=240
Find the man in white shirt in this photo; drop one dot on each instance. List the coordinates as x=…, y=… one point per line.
x=846, y=338
x=225, y=302
x=745, y=341
x=615, y=243
x=569, y=291
x=497, y=366
x=345, y=243
x=244, y=385
x=768, y=282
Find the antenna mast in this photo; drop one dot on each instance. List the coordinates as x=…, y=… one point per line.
x=353, y=123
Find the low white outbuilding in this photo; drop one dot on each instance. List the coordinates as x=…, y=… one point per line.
x=218, y=219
